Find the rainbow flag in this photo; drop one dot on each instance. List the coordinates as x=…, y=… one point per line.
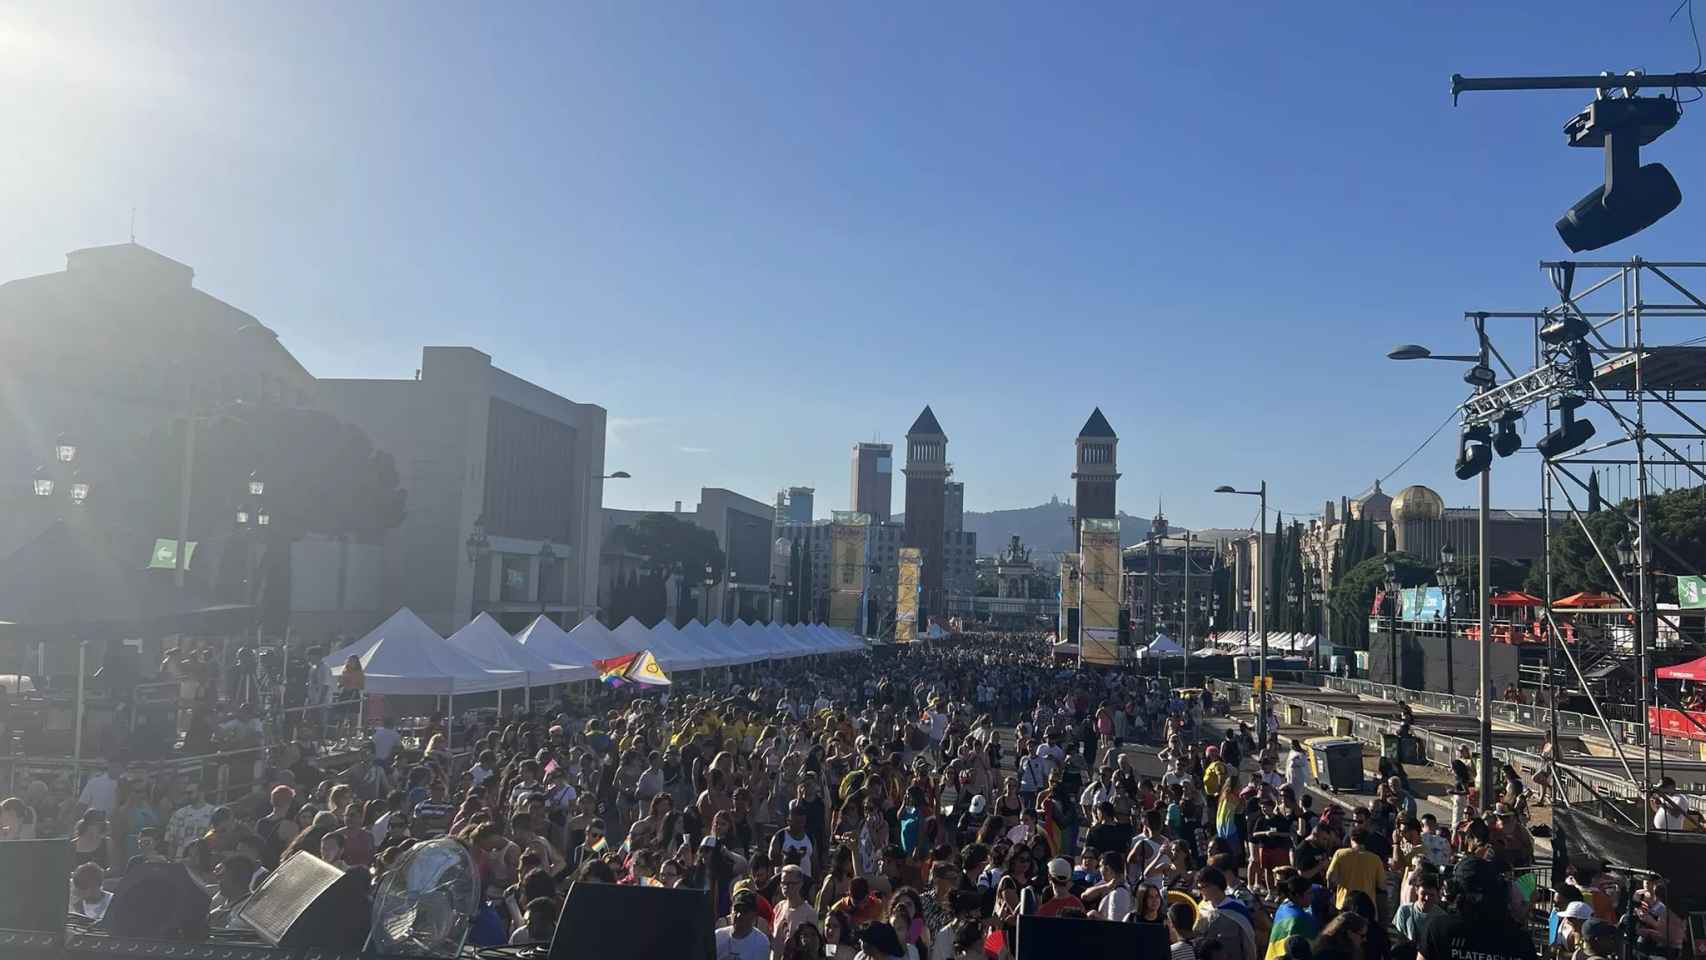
x=1226, y=816
x=641, y=668
x=1289, y=920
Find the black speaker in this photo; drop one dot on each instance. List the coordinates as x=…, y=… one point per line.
x=307, y=902
x=35, y=877
x=158, y=901
x=603, y=921
x=1046, y=938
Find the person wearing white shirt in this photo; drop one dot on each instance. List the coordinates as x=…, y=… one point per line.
x=385, y=741
x=1297, y=768
x=101, y=792
x=741, y=940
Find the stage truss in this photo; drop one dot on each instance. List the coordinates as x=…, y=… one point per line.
x=1642, y=370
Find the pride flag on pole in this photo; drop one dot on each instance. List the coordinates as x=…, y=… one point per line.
x=641, y=668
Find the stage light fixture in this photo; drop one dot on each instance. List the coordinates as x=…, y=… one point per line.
x=1564, y=328
x=1633, y=196
x=1507, y=441
x=1474, y=456
x=1570, y=432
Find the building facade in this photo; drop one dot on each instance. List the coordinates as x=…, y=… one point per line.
x=954, y=505
x=873, y=480
x=746, y=532
x=479, y=448
x=797, y=505
x=927, y=473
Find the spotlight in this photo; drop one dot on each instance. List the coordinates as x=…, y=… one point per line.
x=1570, y=433
x=1633, y=196
x=1507, y=441
x=1564, y=328
x=1473, y=454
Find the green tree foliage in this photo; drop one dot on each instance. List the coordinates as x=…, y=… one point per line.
x=322, y=475
x=1677, y=520
x=1353, y=596
x=672, y=543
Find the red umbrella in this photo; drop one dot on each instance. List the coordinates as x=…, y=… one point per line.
x=1587, y=600
x=1515, y=598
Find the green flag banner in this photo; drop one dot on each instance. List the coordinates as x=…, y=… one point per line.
x=165, y=556
x=1691, y=592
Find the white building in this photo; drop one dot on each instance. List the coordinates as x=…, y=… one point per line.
x=477, y=445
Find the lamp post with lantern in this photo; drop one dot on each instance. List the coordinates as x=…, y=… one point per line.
x=1448, y=577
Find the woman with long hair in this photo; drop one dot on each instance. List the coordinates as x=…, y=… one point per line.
x=1342, y=938
x=1149, y=906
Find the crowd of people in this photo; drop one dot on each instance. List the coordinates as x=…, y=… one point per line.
x=911, y=802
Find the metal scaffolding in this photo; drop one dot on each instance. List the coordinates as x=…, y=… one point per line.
x=1626, y=340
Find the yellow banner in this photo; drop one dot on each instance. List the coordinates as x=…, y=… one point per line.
x=906, y=595
x=1068, y=598
x=847, y=536
x=1099, y=589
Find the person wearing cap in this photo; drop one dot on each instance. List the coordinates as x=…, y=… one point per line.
x=1601, y=939
x=741, y=939
x=1060, y=889
x=1224, y=919
x=1480, y=924
x=1566, y=933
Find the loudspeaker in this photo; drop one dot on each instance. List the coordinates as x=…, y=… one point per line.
x=307, y=902
x=1046, y=938
x=158, y=901
x=34, y=884
x=603, y=921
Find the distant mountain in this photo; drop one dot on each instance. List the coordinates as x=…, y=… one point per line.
x=1045, y=528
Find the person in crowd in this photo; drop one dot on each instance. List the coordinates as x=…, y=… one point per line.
x=89, y=899
x=741, y=939
x=1478, y=922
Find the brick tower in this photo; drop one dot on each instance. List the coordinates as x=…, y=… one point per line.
x=927, y=474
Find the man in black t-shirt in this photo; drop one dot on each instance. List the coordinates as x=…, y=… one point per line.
x=1311, y=853
x=1108, y=834
x=1479, y=926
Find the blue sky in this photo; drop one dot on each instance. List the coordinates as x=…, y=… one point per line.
x=757, y=233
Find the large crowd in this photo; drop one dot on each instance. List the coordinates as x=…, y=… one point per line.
x=911, y=803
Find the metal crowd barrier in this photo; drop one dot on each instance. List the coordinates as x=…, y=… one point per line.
x=1439, y=748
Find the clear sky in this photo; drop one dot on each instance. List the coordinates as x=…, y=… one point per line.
x=757, y=232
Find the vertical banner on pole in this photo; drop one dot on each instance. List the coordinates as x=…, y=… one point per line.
x=906, y=594
x=847, y=535
x=1068, y=598
x=1099, y=588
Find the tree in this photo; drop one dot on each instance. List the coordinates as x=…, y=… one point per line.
x=320, y=475
x=1353, y=597
x=673, y=544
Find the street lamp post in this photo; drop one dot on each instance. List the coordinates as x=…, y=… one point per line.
x=709, y=581
x=1318, y=592
x=1448, y=582
x=1391, y=565
x=1481, y=377
x=586, y=537
x=547, y=556
x=1260, y=492
x=478, y=547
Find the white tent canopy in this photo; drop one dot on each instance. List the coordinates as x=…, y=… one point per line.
x=1162, y=646
x=489, y=645
x=548, y=640
x=404, y=656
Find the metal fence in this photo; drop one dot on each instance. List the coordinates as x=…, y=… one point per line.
x=1438, y=747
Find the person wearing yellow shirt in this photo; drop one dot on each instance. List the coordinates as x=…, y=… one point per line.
x=1215, y=773
x=1356, y=868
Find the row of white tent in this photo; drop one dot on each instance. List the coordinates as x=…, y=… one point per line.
x=1247, y=642
x=405, y=656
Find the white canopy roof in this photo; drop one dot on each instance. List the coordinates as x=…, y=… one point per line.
x=1162, y=646
x=700, y=641
x=548, y=640
x=405, y=656
x=489, y=645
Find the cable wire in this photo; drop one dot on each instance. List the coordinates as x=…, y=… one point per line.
x=1414, y=453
